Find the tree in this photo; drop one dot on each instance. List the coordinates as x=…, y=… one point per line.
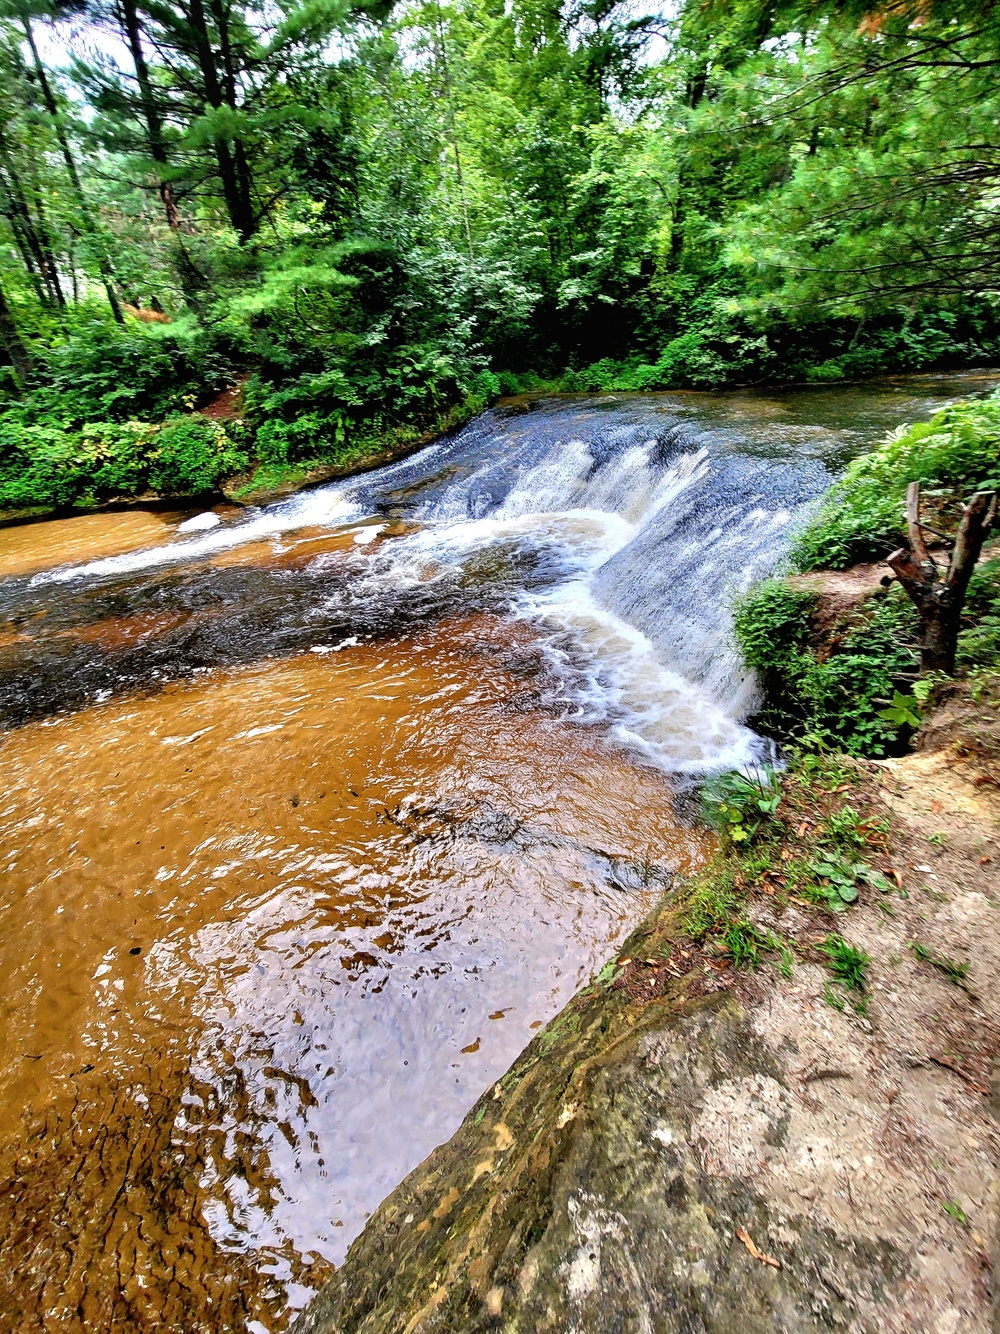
x=938, y=591
x=20, y=358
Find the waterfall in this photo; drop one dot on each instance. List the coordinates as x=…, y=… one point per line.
x=619, y=531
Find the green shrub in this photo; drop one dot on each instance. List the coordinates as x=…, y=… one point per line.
x=43, y=465
x=979, y=641
x=837, y=699
x=37, y=465
x=862, y=517
x=192, y=455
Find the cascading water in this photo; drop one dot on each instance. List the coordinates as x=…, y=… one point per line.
x=620, y=533
x=313, y=814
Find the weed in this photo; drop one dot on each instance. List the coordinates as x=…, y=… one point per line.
x=744, y=942
x=837, y=881
x=954, y=1210
x=954, y=972
x=847, y=826
x=737, y=804
x=903, y=711
x=785, y=959
x=939, y=840
x=847, y=963
x=712, y=904
x=833, y=998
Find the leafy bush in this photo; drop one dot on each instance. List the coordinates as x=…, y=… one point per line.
x=43, y=465
x=837, y=698
x=862, y=518
x=979, y=642
x=192, y=455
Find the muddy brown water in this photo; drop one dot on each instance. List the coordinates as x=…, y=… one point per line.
x=311, y=820
x=262, y=937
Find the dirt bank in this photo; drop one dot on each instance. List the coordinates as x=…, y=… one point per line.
x=689, y=1146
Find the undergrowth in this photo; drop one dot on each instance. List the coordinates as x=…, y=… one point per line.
x=862, y=519
x=796, y=842
x=837, y=697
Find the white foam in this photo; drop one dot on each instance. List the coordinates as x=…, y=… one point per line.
x=327, y=505
x=200, y=523
x=619, y=679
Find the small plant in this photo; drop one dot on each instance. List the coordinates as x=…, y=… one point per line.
x=737, y=804
x=954, y=972
x=712, y=904
x=785, y=959
x=954, y=1210
x=847, y=963
x=940, y=840
x=904, y=711
x=847, y=826
x=744, y=942
x=838, y=880
x=834, y=998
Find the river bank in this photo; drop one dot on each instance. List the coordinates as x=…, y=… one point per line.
x=798, y=1144
x=256, y=481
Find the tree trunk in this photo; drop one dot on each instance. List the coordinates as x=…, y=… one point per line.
x=942, y=620
x=20, y=357
x=151, y=112
x=51, y=107
x=34, y=251
x=939, y=596
x=233, y=191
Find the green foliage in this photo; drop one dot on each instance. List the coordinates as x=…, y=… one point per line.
x=384, y=214
x=863, y=515
x=836, y=881
x=771, y=624
x=836, y=699
x=739, y=804
x=903, y=711
x=979, y=641
x=848, y=828
x=745, y=943
x=43, y=465
x=713, y=903
x=954, y=972
x=847, y=963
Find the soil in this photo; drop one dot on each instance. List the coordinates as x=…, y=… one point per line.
x=966, y=725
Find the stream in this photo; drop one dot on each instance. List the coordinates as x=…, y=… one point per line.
x=313, y=814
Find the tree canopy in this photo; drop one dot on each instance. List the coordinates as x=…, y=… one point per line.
x=374, y=210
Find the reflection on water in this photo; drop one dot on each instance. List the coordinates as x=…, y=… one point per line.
x=311, y=815
x=265, y=938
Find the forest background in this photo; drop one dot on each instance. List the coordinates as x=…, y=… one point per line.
x=374, y=218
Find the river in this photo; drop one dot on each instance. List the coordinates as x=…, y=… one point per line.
x=312, y=815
